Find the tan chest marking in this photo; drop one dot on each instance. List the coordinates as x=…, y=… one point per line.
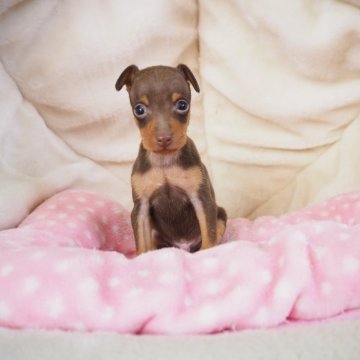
x=189, y=180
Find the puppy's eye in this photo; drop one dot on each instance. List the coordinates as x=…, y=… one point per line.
x=182, y=106
x=140, y=111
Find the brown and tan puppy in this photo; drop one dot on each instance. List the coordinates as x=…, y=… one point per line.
x=174, y=201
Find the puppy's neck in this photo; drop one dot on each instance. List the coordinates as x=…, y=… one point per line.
x=163, y=160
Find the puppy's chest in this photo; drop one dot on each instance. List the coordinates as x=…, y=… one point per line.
x=144, y=185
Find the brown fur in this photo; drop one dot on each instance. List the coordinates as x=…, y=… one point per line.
x=174, y=201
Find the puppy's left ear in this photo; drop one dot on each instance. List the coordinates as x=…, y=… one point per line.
x=126, y=77
x=189, y=76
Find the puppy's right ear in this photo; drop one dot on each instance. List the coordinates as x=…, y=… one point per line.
x=126, y=77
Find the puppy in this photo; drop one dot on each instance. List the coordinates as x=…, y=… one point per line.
x=174, y=201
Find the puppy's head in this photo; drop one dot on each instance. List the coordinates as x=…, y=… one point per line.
x=160, y=98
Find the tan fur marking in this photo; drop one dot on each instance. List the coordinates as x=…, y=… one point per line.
x=220, y=230
x=145, y=100
x=144, y=238
x=180, y=132
x=200, y=214
x=144, y=185
x=148, y=134
x=175, y=97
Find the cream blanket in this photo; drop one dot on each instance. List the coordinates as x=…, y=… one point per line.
x=277, y=122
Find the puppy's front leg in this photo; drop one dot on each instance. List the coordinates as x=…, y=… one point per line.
x=140, y=219
x=206, y=215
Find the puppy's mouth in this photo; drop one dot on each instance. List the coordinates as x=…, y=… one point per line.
x=165, y=151
x=172, y=148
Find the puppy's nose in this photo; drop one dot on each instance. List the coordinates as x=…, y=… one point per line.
x=164, y=141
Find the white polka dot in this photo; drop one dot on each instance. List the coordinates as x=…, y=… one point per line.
x=233, y=268
x=344, y=237
x=338, y=218
x=31, y=284
x=51, y=206
x=81, y=199
x=208, y=315
x=70, y=207
x=90, y=210
x=299, y=236
x=143, y=273
x=37, y=255
x=320, y=252
x=6, y=270
x=55, y=307
x=265, y=276
x=273, y=240
x=116, y=210
x=351, y=265
x=114, y=282
x=5, y=311
x=107, y=313
x=62, y=267
x=326, y=288
x=212, y=287
x=88, y=234
x=83, y=217
x=62, y=216
x=97, y=259
x=50, y=223
x=318, y=229
x=283, y=290
x=166, y=255
x=89, y=285
x=169, y=278
x=71, y=225
x=188, y=301
x=261, y=231
x=210, y=263
x=104, y=219
x=188, y=277
x=242, y=296
x=135, y=291
x=40, y=217
x=100, y=203
x=115, y=229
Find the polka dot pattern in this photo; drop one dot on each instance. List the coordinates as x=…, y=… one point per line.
x=72, y=262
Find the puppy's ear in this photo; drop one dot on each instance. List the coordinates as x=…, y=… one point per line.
x=126, y=77
x=189, y=76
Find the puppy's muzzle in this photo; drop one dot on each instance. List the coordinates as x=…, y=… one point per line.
x=164, y=141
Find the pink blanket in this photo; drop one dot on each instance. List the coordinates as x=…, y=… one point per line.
x=70, y=266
